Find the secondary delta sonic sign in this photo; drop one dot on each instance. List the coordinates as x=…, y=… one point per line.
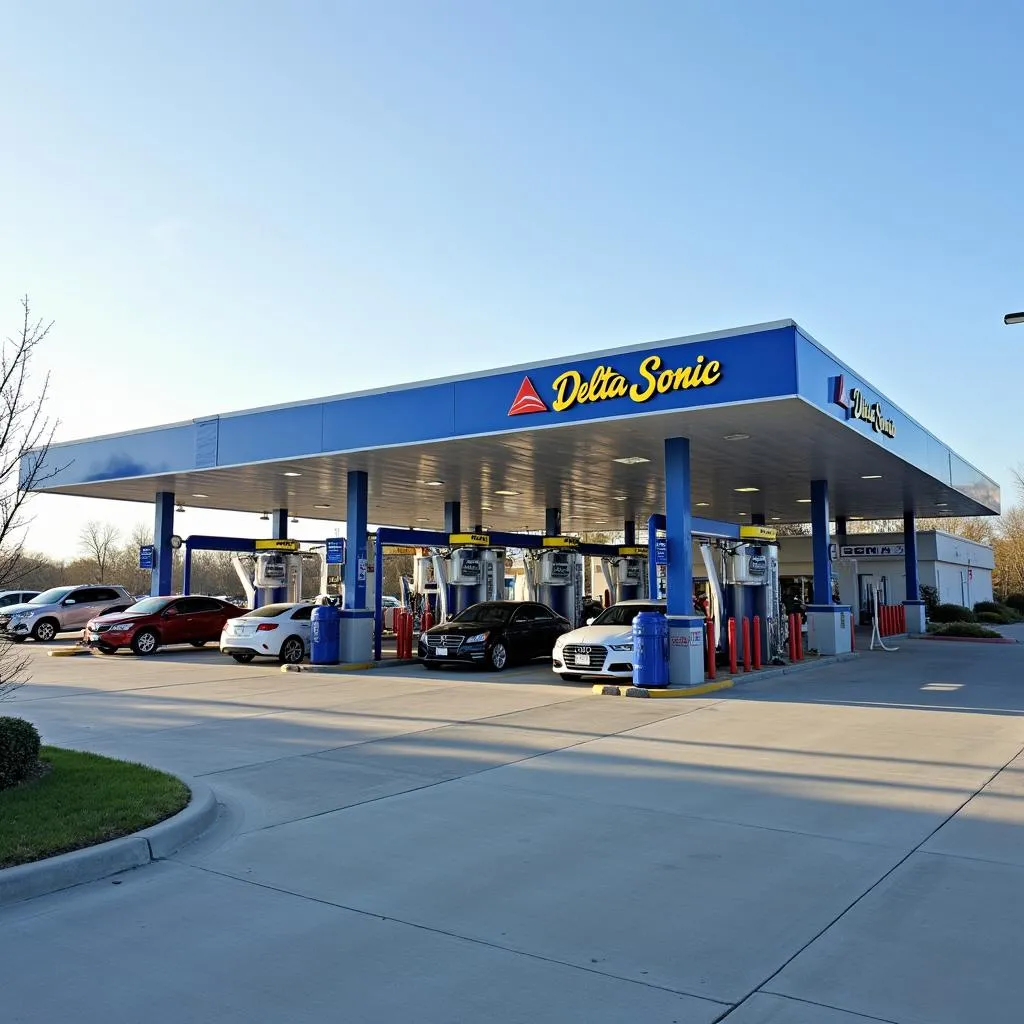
x=606, y=383
x=859, y=408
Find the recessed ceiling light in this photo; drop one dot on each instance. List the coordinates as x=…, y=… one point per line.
x=485, y=508
x=432, y=483
x=200, y=495
x=622, y=497
x=736, y=437
x=631, y=460
x=291, y=472
x=742, y=513
x=854, y=518
x=703, y=504
x=776, y=519
x=422, y=519
x=941, y=504
x=321, y=506
x=803, y=501
x=506, y=492
x=746, y=490
x=872, y=476
x=600, y=522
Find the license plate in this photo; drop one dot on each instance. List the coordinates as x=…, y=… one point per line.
x=441, y=652
x=582, y=659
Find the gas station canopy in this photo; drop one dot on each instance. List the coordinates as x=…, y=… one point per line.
x=766, y=408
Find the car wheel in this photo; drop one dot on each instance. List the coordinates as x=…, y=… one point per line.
x=145, y=642
x=45, y=630
x=198, y=643
x=243, y=657
x=498, y=658
x=106, y=649
x=293, y=650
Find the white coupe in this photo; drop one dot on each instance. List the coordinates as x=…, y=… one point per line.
x=276, y=631
x=604, y=647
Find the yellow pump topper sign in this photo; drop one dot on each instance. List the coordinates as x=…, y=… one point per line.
x=656, y=379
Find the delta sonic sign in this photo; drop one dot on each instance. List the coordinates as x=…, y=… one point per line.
x=654, y=376
x=857, y=407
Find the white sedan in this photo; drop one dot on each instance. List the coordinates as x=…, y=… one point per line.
x=276, y=631
x=604, y=647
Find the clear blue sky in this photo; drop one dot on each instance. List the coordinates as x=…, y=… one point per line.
x=231, y=204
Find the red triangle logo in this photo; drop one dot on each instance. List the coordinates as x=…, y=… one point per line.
x=527, y=400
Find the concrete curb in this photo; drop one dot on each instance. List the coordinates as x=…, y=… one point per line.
x=105, y=859
x=355, y=666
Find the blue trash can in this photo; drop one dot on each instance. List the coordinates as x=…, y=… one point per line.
x=325, y=635
x=650, y=650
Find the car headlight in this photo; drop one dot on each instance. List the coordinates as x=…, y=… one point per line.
x=121, y=627
x=621, y=647
x=478, y=639
x=423, y=638
x=19, y=616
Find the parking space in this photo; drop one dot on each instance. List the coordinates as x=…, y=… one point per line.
x=399, y=835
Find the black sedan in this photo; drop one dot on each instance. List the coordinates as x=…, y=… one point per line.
x=493, y=633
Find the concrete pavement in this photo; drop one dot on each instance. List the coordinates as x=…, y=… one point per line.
x=832, y=847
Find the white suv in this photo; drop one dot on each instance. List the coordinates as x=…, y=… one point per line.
x=61, y=610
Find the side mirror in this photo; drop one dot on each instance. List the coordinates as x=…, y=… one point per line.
x=169, y=613
x=590, y=621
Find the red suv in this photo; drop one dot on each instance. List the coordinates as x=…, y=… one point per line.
x=157, y=621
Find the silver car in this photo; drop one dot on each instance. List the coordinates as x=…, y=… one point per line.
x=61, y=610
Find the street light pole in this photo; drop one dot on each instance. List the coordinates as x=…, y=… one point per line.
x=1014, y=318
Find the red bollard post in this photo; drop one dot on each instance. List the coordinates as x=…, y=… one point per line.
x=903, y=618
x=711, y=646
x=757, y=642
x=746, y=644
x=732, y=646
x=888, y=620
x=407, y=635
x=799, y=638
x=402, y=633
x=399, y=622
x=792, y=638
x=428, y=620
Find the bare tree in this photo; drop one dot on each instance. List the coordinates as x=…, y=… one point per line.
x=26, y=432
x=98, y=541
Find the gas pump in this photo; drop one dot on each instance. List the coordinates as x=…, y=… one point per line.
x=277, y=570
x=752, y=589
x=626, y=575
x=429, y=586
x=476, y=574
x=559, y=578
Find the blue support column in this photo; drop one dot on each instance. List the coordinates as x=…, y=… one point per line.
x=452, y=517
x=913, y=605
x=552, y=522
x=357, y=632
x=829, y=625
x=163, y=529
x=355, y=527
x=629, y=533
x=686, y=630
x=279, y=528
x=820, y=540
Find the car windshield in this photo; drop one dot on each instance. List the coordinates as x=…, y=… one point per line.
x=148, y=606
x=52, y=596
x=624, y=614
x=489, y=611
x=270, y=611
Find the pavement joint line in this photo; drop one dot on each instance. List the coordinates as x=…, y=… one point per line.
x=812, y=1002
x=459, y=937
x=885, y=875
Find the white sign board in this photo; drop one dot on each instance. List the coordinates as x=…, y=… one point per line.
x=872, y=551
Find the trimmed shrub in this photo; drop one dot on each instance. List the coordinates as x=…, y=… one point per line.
x=969, y=629
x=997, y=618
x=1016, y=602
x=987, y=606
x=19, y=750
x=951, y=613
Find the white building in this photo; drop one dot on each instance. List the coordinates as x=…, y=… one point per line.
x=960, y=570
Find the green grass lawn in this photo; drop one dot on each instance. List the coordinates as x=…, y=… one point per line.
x=83, y=800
